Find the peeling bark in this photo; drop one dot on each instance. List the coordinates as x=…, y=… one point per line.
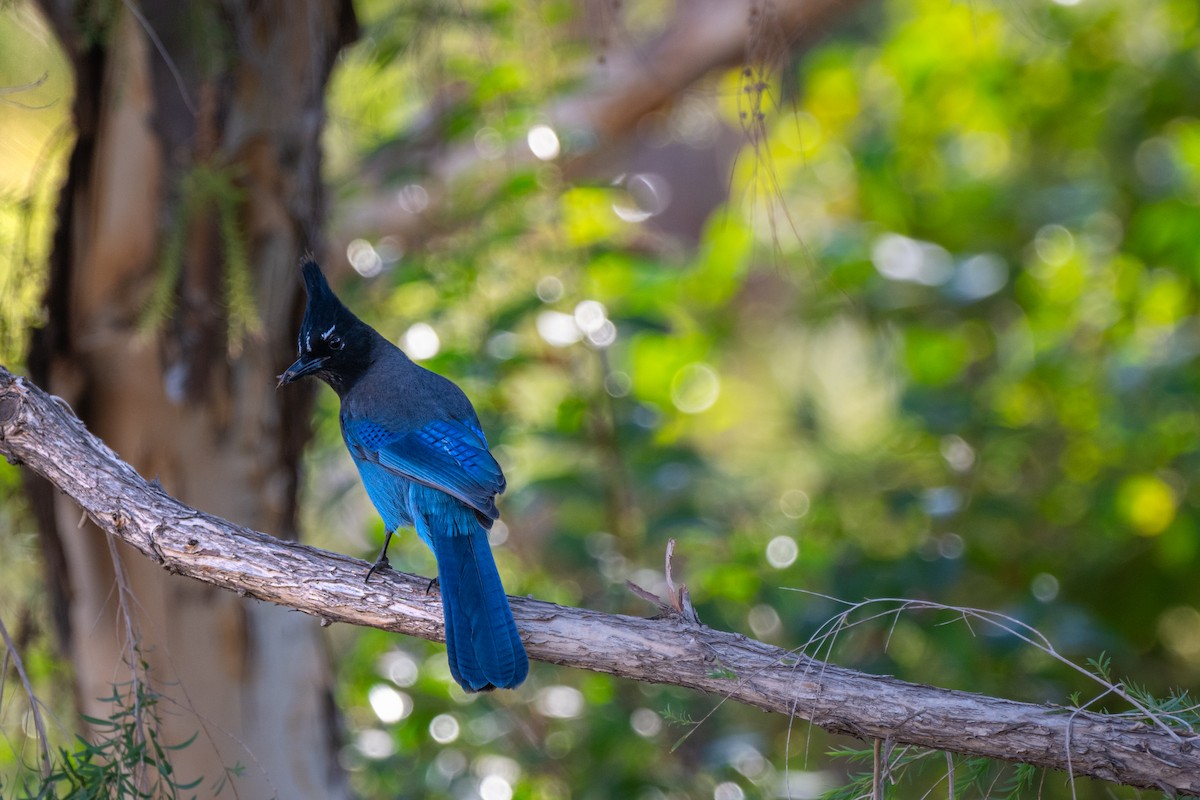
x=42, y=434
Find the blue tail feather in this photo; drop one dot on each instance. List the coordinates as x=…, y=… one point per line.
x=482, y=643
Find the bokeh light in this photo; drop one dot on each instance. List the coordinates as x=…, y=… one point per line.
x=421, y=341
x=543, y=141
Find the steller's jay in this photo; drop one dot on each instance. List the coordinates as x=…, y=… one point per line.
x=425, y=463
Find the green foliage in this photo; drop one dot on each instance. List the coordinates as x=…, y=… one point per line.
x=33, y=117
x=966, y=377
x=123, y=758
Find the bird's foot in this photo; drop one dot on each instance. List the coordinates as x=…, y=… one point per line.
x=381, y=563
x=432, y=582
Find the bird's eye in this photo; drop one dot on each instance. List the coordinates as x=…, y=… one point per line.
x=336, y=343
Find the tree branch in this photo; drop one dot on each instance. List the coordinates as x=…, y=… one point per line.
x=39, y=431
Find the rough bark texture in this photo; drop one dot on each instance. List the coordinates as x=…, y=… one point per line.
x=43, y=434
x=169, y=94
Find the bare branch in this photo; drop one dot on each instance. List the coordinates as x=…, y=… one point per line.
x=42, y=433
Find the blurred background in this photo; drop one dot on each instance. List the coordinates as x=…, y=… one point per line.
x=852, y=300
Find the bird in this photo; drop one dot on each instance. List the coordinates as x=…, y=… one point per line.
x=425, y=463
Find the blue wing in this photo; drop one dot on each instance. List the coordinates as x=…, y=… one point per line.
x=446, y=455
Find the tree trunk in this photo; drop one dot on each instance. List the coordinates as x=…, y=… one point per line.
x=196, y=166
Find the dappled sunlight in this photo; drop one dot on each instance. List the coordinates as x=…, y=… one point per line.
x=444, y=728
x=854, y=386
x=695, y=388
x=646, y=194
x=36, y=139
x=421, y=341
x=560, y=702
x=389, y=705
x=558, y=329
x=543, y=142
x=364, y=258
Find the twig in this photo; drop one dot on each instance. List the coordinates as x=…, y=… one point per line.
x=25, y=87
x=162, y=51
x=877, y=770
x=1011, y=625
x=33, y=700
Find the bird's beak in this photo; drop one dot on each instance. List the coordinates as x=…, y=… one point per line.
x=305, y=365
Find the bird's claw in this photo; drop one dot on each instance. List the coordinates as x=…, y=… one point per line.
x=432, y=582
x=382, y=563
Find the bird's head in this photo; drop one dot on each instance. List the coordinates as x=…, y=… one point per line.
x=333, y=344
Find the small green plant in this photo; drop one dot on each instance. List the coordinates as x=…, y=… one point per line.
x=125, y=758
x=955, y=777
